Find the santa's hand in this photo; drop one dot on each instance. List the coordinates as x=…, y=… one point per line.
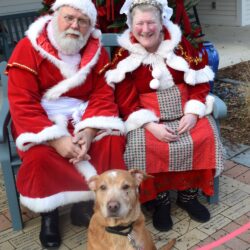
x=84, y=139
x=86, y=157
x=65, y=147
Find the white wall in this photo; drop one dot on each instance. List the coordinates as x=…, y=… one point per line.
x=224, y=13
x=246, y=12
x=19, y=6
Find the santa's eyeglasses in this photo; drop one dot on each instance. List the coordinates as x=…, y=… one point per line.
x=80, y=21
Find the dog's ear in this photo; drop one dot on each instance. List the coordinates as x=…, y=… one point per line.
x=92, y=182
x=139, y=175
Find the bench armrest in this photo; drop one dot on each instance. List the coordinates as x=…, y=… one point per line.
x=4, y=121
x=220, y=108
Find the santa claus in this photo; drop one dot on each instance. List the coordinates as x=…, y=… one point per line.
x=65, y=121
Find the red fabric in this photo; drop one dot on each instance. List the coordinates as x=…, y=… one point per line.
x=26, y=89
x=202, y=137
x=153, y=165
x=182, y=16
x=203, y=179
x=43, y=172
x=127, y=92
x=130, y=95
x=204, y=150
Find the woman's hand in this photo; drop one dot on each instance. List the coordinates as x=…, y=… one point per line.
x=84, y=139
x=187, y=122
x=161, y=132
x=65, y=147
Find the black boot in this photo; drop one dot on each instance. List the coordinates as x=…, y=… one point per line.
x=81, y=213
x=188, y=201
x=161, y=217
x=50, y=235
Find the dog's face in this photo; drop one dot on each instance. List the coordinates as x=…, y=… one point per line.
x=116, y=192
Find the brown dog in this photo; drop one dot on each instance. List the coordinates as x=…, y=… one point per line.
x=118, y=223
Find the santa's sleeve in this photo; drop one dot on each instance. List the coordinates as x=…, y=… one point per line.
x=31, y=124
x=197, y=75
x=102, y=111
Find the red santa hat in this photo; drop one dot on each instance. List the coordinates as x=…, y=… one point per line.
x=85, y=6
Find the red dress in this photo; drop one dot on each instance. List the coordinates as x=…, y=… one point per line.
x=46, y=180
x=162, y=87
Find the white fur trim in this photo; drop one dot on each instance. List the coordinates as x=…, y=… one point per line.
x=177, y=62
x=65, y=85
x=195, y=107
x=156, y=73
x=164, y=55
x=209, y=104
x=139, y=118
x=85, y=6
x=129, y=64
x=193, y=77
x=40, y=205
x=101, y=122
x=86, y=169
x=27, y=140
x=76, y=80
x=96, y=33
x=154, y=84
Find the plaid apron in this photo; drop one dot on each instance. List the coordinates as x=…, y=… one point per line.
x=198, y=149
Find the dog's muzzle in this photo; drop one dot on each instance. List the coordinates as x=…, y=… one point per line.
x=113, y=208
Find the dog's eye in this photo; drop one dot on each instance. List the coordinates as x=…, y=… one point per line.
x=103, y=187
x=125, y=187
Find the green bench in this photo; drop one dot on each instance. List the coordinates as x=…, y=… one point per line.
x=10, y=161
x=12, y=29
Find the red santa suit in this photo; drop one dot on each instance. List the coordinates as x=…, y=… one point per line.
x=38, y=81
x=161, y=87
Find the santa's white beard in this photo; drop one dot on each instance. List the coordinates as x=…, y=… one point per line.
x=68, y=45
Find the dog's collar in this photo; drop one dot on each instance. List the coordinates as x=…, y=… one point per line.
x=121, y=230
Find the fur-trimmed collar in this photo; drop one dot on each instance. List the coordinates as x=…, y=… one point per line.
x=165, y=55
x=91, y=52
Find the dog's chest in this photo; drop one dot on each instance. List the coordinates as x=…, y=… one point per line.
x=126, y=243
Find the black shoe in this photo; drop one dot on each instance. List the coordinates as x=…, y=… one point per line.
x=195, y=209
x=50, y=235
x=81, y=213
x=161, y=217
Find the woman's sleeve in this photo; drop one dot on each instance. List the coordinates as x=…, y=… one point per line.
x=197, y=78
x=132, y=112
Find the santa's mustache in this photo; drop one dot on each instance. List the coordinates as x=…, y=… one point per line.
x=72, y=32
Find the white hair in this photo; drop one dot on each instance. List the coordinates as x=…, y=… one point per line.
x=144, y=8
x=65, y=44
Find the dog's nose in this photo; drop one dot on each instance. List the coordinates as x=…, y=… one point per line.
x=113, y=207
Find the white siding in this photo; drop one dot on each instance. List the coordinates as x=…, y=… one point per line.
x=225, y=12
x=246, y=13
x=19, y=6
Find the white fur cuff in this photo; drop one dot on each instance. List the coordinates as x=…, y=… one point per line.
x=139, y=118
x=46, y=204
x=27, y=140
x=101, y=122
x=195, y=107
